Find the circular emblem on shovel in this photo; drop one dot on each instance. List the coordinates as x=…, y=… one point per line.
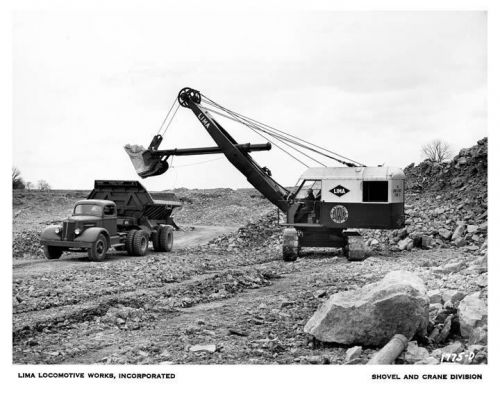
x=339, y=214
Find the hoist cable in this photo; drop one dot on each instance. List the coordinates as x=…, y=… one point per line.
x=281, y=138
x=264, y=126
x=284, y=141
x=166, y=116
x=279, y=147
x=298, y=144
x=287, y=134
x=171, y=119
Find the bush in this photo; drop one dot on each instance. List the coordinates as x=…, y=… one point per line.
x=17, y=181
x=437, y=151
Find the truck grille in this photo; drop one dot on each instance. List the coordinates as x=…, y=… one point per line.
x=68, y=232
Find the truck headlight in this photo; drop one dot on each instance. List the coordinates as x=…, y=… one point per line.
x=78, y=231
x=57, y=230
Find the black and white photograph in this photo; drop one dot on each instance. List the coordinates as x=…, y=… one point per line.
x=250, y=187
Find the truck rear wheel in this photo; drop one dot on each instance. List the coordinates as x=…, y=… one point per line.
x=166, y=238
x=155, y=238
x=52, y=252
x=97, y=252
x=140, y=243
x=129, y=240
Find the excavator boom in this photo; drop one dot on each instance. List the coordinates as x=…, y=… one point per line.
x=152, y=161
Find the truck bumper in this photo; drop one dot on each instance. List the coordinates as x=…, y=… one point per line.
x=67, y=244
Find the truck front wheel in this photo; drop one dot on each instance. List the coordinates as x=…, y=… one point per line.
x=140, y=243
x=97, y=252
x=52, y=252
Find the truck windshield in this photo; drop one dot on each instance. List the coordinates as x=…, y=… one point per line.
x=88, y=209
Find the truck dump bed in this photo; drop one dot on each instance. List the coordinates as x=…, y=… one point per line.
x=133, y=200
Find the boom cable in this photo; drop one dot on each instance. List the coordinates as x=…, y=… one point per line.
x=276, y=137
x=166, y=117
x=279, y=133
x=264, y=130
x=261, y=135
x=171, y=119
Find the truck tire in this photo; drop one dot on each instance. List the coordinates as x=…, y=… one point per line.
x=290, y=244
x=166, y=238
x=97, y=252
x=129, y=240
x=155, y=238
x=140, y=243
x=52, y=252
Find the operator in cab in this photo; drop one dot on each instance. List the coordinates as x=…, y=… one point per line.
x=310, y=195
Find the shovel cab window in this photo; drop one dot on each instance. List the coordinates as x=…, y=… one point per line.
x=375, y=191
x=309, y=189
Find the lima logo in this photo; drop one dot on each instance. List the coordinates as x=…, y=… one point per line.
x=203, y=120
x=339, y=190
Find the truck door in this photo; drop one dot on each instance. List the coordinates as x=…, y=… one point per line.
x=109, y=219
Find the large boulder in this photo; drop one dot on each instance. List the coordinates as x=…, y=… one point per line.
x=373, y=314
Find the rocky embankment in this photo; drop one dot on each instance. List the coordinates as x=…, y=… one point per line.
x=446, y=205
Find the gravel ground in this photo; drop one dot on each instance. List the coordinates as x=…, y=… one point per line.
x=229, y=299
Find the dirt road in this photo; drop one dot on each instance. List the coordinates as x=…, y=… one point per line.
x=185, y=238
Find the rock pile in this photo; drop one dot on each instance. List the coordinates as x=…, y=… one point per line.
x=461, y=321
x=26, y=244
x=265, y=233
x=126, y=318
x=466, y=171
x=445, y=206
x=447, y=323
x=221, y=206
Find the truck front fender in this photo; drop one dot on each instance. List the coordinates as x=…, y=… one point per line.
x=49, y=233
x=90, y=235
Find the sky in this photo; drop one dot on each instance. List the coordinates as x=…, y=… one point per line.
x=373, y=86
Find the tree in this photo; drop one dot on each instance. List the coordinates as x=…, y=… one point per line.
x=28, y=185
x=17, y=181
x=437, y=151
x=43, y=185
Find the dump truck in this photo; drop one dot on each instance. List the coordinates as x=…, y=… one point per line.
x=116, y=214
x=327, y=206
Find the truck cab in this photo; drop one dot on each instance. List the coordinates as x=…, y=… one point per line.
x=94, y=213
x=92, y=227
